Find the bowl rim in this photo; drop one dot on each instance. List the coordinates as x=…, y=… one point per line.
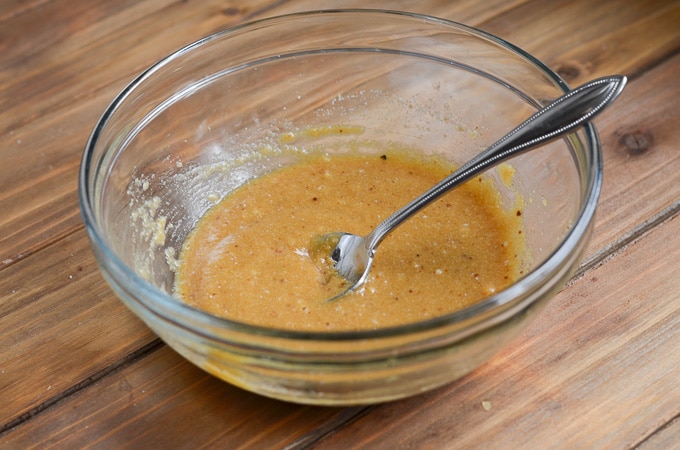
x=171, y=309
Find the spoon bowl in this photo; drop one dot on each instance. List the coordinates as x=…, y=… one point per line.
x=331, y=253
x=349, y=257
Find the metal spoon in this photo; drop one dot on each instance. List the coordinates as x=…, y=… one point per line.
x=350, y=256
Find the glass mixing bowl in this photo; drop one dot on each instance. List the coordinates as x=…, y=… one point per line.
x=219, y=112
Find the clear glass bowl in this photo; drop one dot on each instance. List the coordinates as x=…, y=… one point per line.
x=212, y=115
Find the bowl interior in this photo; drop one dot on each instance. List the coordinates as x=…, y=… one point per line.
x=184, y=138
x=249, y=100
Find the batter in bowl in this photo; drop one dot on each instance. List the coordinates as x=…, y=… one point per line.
x=247, y=258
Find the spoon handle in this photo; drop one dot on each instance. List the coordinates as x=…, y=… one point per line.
x=558, y=118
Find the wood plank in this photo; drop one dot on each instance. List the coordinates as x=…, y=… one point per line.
x=61, y=65
x=641, y=160
x=62, y=321
x=38, y=200
x=58, y=112
x=635, y=144
x=638, y=134
x=46, y=94
x=29, y=19
x=599, y=368
x=138, y=406
x=666, y=438
x=9, y=9
x=60, y=328
x=469, y=12
x=114, y=47
x=609, y=38
x=39, y=208
x=587, y=359
x=49, y=104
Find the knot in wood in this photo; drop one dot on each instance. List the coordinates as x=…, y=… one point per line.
x=231, y=11
x=569, y=72
x=636, y=142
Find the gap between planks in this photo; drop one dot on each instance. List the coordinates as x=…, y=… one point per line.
x=611, y=250
x=594, y=261
x=598, y=259
x=117, y=366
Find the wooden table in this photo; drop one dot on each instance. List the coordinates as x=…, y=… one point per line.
x=599, y=368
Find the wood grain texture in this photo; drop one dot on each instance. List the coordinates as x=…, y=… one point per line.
x=470, y=12
x=89, y=53
x=611, y=36
x=12, y=8
x=599, y=368
x=665, y=438
x=604, y=350
x=641, y=158
x=54, y=92
x=137, y=408
x=61, y=325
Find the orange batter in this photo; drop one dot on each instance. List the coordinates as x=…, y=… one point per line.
x=247, y=258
